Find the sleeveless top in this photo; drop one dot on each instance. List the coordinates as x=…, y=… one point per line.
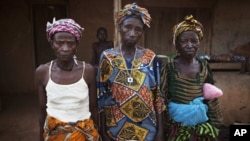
x=70, y=102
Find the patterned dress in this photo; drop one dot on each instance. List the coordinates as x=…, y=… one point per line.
x=179, y=89
x=130, y=97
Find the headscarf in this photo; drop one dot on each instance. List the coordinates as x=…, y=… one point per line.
x=189, y=24
x=133, y=10
x=67, y=25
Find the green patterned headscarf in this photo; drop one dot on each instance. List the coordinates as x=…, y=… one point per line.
x=189, y=24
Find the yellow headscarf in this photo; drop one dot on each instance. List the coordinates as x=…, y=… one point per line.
x=133, y=10
x=189, y=24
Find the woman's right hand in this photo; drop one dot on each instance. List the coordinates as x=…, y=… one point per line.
x=104, y=136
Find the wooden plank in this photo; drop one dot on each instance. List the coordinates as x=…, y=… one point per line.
x=117, y=8
x=225, y=66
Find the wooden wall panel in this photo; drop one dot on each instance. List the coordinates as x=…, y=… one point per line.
x=159, y=36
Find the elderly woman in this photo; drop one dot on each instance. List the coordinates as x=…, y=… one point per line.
x=66, y=88
x=129, y=99
x=190, y=117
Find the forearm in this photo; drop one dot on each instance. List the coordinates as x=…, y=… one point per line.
x=41, y=126
x=160, y=123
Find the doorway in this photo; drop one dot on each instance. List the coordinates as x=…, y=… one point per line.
x=43, y=13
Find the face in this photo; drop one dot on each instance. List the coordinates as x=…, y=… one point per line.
x=131, y=31
x=102, y=35
x=64, y=45
x=187, y=43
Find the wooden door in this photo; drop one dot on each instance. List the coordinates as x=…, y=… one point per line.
x=42, y=13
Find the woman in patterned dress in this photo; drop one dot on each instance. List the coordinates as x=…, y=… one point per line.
x=129, y=99
x=189, y=117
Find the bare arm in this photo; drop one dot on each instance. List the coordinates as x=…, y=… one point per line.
x=90, y=77
x=94, y=55
x=40, y=75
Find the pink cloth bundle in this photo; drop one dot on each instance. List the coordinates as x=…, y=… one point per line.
x=210, y=91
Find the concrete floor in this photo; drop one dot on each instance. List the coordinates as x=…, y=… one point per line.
x=19, y=118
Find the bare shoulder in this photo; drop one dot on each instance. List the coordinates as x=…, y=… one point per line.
x=42, y=68
x=89, y=73
x=89, y=70
x=89, y=67
x=41, y=73
x=142, y=51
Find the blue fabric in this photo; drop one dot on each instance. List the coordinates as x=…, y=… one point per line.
x=189, y=114
x=114, y=92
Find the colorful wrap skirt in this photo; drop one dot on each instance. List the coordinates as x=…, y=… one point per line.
x=56, y=130
x=176, y=131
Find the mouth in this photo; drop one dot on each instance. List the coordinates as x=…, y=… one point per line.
x=65, y=56
x=131, y=41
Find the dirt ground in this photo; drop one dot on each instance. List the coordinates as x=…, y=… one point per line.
x=19, y=119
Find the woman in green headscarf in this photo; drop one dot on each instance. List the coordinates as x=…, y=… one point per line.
x=189, y=116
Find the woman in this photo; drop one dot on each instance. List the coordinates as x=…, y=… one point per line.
x=129, y=101
x=66, y=88
x=189, y=116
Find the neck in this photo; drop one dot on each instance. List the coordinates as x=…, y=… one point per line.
x=187, y=61
x=128, y=52
x=65, y=65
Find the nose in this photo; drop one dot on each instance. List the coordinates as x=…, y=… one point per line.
x=132, y=33
x=65, y=46
x=189, y=44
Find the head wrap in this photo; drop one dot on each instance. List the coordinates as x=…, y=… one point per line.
x=189, y=24
x=66, y=25
x=133, y=10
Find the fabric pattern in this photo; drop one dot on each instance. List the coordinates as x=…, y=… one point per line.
x=67, y=25
x=189, y=24
x=136, y=11
x=184, y=90
x=129, y=106
x=56, y=130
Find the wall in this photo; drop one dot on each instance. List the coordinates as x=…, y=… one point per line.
x=236, y=96
x=91, y=15
x=16, y=51
x=17, y=45
x=230, y=27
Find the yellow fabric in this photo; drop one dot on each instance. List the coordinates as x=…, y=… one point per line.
x=56, y=130
x=189, y=24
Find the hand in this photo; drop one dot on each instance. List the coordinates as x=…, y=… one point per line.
x=105, y=137
x=159, y=137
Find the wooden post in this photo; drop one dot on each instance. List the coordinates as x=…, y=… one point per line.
x=117, y=8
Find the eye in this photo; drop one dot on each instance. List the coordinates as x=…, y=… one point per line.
x=195, y=41
x=59, y=43
x=71, y=43
x=138, y=29
x=182, y=41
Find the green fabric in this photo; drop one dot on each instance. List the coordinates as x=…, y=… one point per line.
x=177, y=88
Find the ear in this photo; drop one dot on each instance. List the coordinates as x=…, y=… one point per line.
x=51, y=43
x=77, y=42
x=119, y=28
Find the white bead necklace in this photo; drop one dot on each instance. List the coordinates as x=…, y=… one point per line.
x=130, y=78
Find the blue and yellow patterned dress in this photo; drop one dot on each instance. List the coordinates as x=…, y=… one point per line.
x=130, y=106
